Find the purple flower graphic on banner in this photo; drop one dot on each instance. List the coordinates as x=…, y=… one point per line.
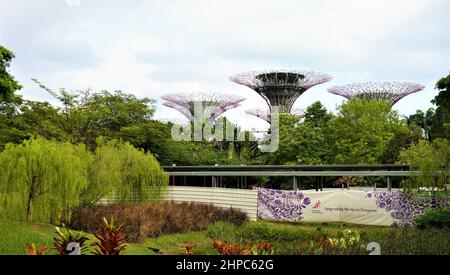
x=280, y=205
x=403, y=208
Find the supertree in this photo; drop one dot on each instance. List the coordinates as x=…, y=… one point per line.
x=280, y=88
x=265, y=114
x=389, y=91
x=213, y=104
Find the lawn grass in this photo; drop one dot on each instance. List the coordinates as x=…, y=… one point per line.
x=14, y=237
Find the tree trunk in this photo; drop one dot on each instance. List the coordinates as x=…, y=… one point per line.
x=31, y=196
x=29, y=206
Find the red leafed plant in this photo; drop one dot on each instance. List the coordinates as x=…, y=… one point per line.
x=31, y=249
x=188, y=248
x=111, y=239
x=232, y=249
x=345, y=182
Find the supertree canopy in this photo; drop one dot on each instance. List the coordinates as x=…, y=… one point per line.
x=265, y=114
x=213, y=104
x=389, y=91
x=280, y=88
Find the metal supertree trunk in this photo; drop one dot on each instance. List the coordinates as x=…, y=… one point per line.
x=389, y=91
x=265, y=114
x=280, y=88
x=213, y=103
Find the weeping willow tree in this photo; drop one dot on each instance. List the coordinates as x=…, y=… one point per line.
x=41, y=180
x=123, y=173
x=429, y=164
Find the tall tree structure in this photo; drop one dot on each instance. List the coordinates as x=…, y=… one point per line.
x=389, y=91
x=265, y=114
x=280, y=88
x=213, y=104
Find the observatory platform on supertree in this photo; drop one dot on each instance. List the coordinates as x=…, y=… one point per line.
x=265, y=114
x=213, y=104
x=389, y=91
x=280, y=88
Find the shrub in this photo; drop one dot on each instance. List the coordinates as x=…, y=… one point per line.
x=265, y=232
x=111, y=239
x=154, y=219
x=223, y=231
x=437, y=218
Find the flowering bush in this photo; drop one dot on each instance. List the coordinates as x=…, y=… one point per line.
x=347, y=182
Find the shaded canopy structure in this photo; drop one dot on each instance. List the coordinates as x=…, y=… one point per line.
x=389, y=91
x=212, y=104
x=280, y=87
x=265, y=114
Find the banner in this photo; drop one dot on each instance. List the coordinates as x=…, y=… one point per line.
x=342, y=205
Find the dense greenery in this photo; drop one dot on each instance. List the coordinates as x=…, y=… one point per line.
x=441, y=122
x=42, y=180
x=429, y=164
x=434, y=218
x=8, y=85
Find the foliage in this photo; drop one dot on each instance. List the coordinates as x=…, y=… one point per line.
x=441, y=120
x=436, y=218
x=255, y=231
x=300, y=142
x=41, y=180
x=8, y=85
x=111, y=239
x=154, y=219
x=403, y=139
x=424, y=120
x=362, y=131
x=429, y=164
x=124, y=172
x=31, y=249
x=65, y=236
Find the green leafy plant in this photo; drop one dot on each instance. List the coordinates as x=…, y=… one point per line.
x=436, y=218
x=111, y=239
x=262, y=249
x=65, y=237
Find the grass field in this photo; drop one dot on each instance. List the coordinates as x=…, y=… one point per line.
x=14, y=236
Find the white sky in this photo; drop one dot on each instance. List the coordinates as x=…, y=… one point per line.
x=150, y=48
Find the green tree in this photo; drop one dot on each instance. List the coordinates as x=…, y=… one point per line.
x=41, y=180
x=317, y=115
x=424, y=120
x=429, y=164
x=87, y=115
x=441, y=119
x=404, y=138
x=8, y=85
x=362, y=131
x=121, y=171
